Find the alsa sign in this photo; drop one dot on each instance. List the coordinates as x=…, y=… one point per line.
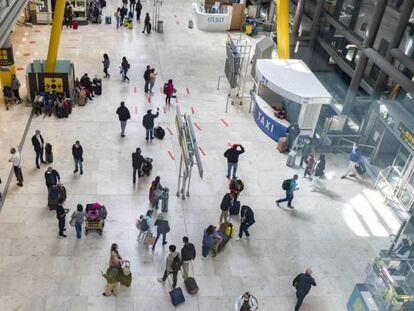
x=216, y=20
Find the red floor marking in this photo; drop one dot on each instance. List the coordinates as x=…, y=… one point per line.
x=19, y=68
x=165, y=110
x=32, y=42
x=229, y=144
x=188, y=90
x=26, y=54
x=136, y=110
x=37, y=30
x=197, y=126
x=171, y=155
x=135, y=89
x=192, y=110
x=149, y=99
x=202, y=151
x=169, y=131
x=224, y=122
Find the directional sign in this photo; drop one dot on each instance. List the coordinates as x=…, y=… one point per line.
x=54, y=84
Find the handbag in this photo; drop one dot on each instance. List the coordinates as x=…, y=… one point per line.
x=72, y=221
x=151, y=240
x=126, y=270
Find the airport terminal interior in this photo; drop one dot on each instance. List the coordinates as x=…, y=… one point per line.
x=284, y=81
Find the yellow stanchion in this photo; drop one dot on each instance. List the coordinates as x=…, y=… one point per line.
x=282, y=11
x=55, y=35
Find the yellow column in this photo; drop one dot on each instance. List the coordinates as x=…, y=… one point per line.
x=282, y=16
x=55, y=35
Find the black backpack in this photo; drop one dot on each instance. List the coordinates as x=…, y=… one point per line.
x=176, y=264
x=286, y=184
x=144, y=225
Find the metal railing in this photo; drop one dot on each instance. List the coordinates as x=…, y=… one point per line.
x=361, y=146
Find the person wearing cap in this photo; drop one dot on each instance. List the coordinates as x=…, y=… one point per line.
x=124, y=116
x=303, y=283
x=232, y=154
x=148, y=123
x=137, y=160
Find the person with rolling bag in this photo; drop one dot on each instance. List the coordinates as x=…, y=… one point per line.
x=188, y=253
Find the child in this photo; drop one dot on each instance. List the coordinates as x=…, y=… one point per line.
x=138, y=224
x=310, y=162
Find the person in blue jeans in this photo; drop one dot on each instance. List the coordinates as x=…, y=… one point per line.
x=148, y=123
x=354, y=159
x=77, y=153
x=79, y=217
x=289, y=192
x=232, y=154
x=209, y=241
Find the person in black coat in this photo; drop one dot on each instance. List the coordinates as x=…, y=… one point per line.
x=247, y=219
x=147, y=73
x=52, y=178
x=162, y=228
x=292, y=133
x=38, y=144
x=232, y=155
x=137, y=160
x=148, y=123
x=77, y=153
x=303, y=283
x=61, y=215
x=124, y=116
x=147, y=24
x=225, y=205
x=125, y=68
x=138, y=8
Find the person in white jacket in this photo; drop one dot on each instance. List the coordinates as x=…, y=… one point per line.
x=246, y=302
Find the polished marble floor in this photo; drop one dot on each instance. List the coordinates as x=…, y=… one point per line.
x=336, y=231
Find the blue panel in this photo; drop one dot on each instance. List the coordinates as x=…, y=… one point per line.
x=269, y=126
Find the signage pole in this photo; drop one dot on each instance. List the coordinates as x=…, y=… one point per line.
x=189, y=181
x=179, y=176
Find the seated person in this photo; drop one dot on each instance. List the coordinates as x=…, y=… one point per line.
x=281, y=114
x=402, y=251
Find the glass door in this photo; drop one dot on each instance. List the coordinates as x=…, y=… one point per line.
x=402, y=174
x=399, y=166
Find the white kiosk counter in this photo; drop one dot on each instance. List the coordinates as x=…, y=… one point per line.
x=212, y=21
x=292, y=85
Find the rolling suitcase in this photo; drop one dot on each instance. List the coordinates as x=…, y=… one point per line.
x=48, y=153
x=53, y=198
x=75, y=24
x=97, y=86
x=235, y=208
x=177, y=296
x=82, y=98
x=282, y=144
x=291, y=158
x=108, y=20
x=191, y=285
x=62, y=193
x=159, y=132
x=224, y=240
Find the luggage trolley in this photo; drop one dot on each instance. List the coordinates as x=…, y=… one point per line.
x=95, y=217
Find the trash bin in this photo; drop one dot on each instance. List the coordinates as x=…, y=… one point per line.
x=160, y=27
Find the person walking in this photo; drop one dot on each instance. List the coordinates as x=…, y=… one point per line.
x=149, y=232
x=68, y=15
x=16, y=159
x=319, y=171
x=162, y=229
x=52, y=178
x=232, y=154
x=115, y=260
x=138, y=8
x=306, y=151
x=124, y=69
x=15, y=87
x=152, y=77
x=124, y=116
x=246, y=302
x=147, y=24
x=188, y=253
x=117, y=16
x=61, y=216
x=289, y=185
x=38, y=144
x=172, y=266
x=310, y=163
x=147, y=74
x=132, y=5
x=246, y=220
x=169, y=91
x=225, y=205
x=78, y=217
x=77, y=153
x=354, y=159
x=148, y=123
x=106, y=62
x=156, y=192
x=303, y=283
x=137, y=160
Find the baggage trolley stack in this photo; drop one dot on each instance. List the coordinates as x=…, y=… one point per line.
x=95, y=217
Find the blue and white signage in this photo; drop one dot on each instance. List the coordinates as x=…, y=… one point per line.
x=215, y=20
x=268, y=125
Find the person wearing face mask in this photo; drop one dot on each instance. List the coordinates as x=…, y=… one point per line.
x=354, y=160
x=246, y=302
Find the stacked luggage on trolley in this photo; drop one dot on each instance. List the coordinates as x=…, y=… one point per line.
x=95, y=217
